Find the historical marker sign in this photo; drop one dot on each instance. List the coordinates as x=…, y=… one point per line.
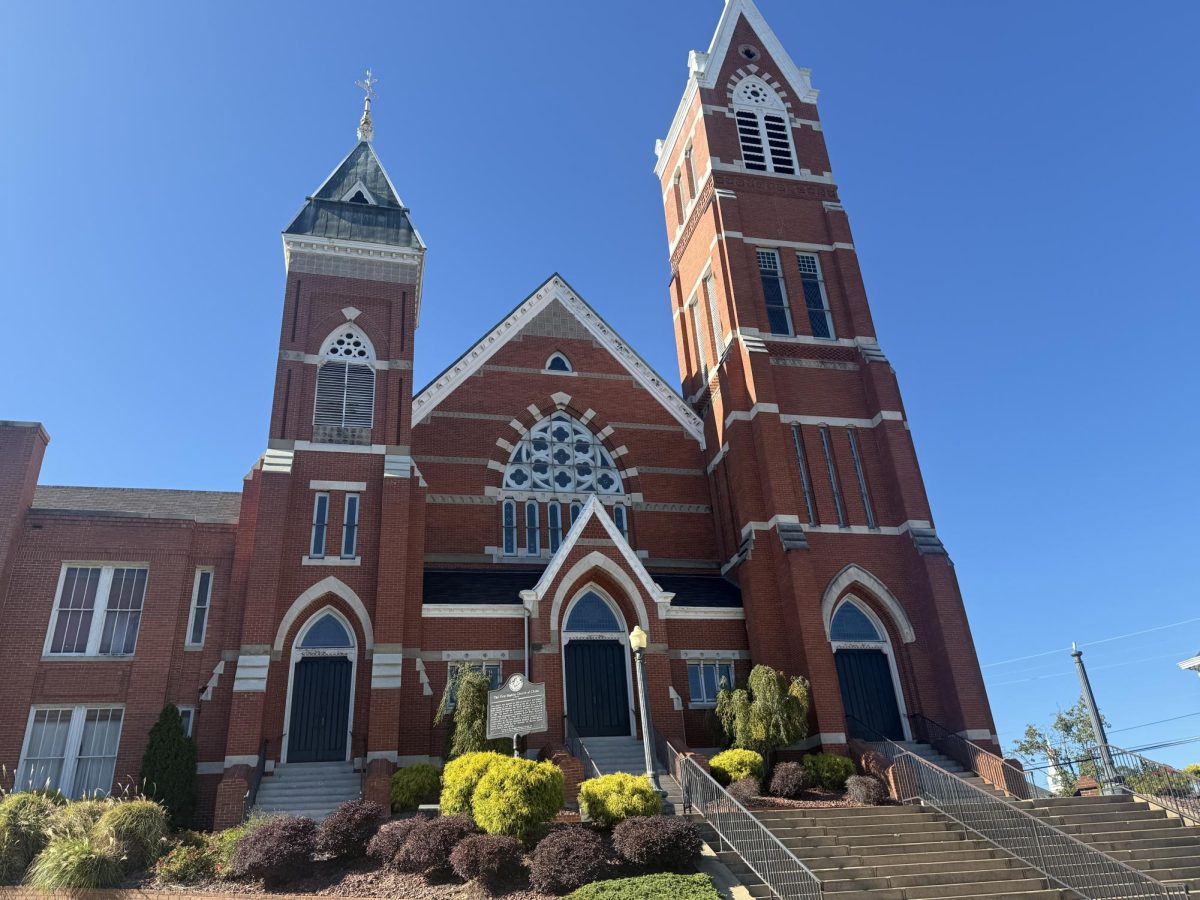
x=517, y=707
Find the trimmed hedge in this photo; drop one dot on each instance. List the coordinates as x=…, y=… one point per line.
x=427, y=848
x=460, y=778
x=517, y=797
x=734, y=765
x=865, y=789
x=567, y=859
x=390, y=838
x=790, y=780
x=610, y=799
x=278, y=851
x=493, y=860
x=829, y=769
x=414, y=785
x=348, y=830
x=650, y=887
x=138, y=828
x=658, y=843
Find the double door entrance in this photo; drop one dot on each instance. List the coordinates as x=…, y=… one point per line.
x=868, y=694
x=320, y=717
x=597, y=680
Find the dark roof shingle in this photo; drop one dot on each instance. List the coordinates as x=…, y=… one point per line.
x=198, y=506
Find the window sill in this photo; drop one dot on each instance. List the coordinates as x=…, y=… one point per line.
x=330, y=561
x=86, y=657
x=192, y=648
x=702, y=704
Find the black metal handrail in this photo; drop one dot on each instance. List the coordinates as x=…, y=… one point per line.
x=1063, y=859
x=255, y=780
x=989, y=766
x=758, y=847
x=577, y=749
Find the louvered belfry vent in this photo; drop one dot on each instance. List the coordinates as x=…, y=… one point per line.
x=345, y=388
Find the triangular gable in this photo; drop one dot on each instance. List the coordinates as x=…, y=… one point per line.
x=594, y=510
x=556, y=289
x=360, y=165
x=705, y=67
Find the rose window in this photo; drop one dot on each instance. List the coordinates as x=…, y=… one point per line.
x=348, y=345
x=561, y=455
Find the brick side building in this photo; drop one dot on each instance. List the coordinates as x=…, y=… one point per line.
x=543, y=495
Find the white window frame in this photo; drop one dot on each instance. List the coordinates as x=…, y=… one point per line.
x=689, y=168
x=350, y=529
x=99, y=610
x=708, y=285
x=704, y=702
x=188, y=643
x=74, y=740
x=569, y=370
x=773, y=106
x=533, y=529
x=620, y=517
x=486, y=665
x=554, y=529
x=693, y=306
x=315, y=552
x=190, y=720
x=761, y=254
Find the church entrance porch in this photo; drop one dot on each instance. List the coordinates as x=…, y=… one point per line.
x=596, y=666
x=318, y=719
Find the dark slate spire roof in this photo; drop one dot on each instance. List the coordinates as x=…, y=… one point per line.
x=327, y=215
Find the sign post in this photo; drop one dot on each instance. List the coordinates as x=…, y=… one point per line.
x=517, y=707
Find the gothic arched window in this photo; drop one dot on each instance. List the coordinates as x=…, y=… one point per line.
x=560, y=454
x=763, y=128
x=346, y=381
x=851, y=624
x=558, y=363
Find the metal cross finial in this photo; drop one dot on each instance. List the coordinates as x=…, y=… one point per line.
x=366, y=129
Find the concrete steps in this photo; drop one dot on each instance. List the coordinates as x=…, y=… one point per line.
x=308, y=789
x=627, y=754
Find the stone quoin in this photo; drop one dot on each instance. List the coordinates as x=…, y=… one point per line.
x=543, y=495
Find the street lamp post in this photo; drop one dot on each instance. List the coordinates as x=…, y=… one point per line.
x=637, y=642
x=1112, y=780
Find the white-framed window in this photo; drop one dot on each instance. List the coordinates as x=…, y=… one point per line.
x=187, y=714
x=509, y=525
x=558, y=363
x=346, y=381
x=491, y=669
x=350, y=527
x=72, y=749
x=763, y=129
x=576, y=510
x=201, y=600
x=816, y=301
x=861, y=476
x=831, y=466
x=689, y=168
x=621, y=520
x=116, y=592
x=554, y=528
x=320, y=525
x=705, y=680
x=677, y=190
x=714, y=315
x=533, y=536
x=779, y=314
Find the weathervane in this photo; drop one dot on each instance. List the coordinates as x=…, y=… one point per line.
x=365, y=129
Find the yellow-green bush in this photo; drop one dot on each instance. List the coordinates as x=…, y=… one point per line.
x=414, y=785
x=734, y=765
x=73, y=864
x=829, y=769
x=610, y=799
x=517, y=797
x=138, y=828
x=187, y=864
x=78, y=818
x=460, y=778
x=23, y=821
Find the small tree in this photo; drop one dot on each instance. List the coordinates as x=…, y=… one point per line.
x=169, y=767
x=771, y=712
x=468, y=689
x=1068, y=746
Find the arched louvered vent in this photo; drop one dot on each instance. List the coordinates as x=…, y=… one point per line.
x=346, y=381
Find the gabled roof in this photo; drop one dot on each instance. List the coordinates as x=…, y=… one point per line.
x=705, y=67
x=327, y=215
x=555, y=289
x=198, y=506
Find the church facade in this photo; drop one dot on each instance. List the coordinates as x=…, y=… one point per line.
x=543, y=495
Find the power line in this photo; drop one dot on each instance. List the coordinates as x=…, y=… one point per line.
x=1107, y=640
x=1157, y=722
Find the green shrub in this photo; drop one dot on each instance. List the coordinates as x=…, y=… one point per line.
x=829, y=769
x=79, y=818
x=610, y=799
x=169, y=767
x=517, y=797
x=734, y=765
x=459, y=780
x=649, y=887
x=138, y=828
x=770, y=712
x=414, y=785
x=224, y=843
x=73, y=864
x=25, y=819
x=187, y=864
x=469, y=685
x=12, y=863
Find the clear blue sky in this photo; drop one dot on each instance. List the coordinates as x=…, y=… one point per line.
x=1021, y=178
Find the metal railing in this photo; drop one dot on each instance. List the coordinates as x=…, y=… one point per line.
x=989, y=766
x=578, y=750
x=1063, y=859
x=735, y=826
x=255, y=780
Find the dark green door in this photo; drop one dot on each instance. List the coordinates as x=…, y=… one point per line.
x=597, y=688
x=317, y=731
x=867, y=693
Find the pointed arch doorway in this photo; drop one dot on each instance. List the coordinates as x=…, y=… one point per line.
x=321, y=691
x=596, y=667
x=867, y=675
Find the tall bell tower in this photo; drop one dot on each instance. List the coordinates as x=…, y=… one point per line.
x=814, y=477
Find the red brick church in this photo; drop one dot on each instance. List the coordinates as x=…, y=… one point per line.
x=543, y=495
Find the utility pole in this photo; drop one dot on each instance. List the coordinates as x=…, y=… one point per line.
x=1110, y=778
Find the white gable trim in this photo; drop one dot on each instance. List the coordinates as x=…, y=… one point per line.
x=359, y=186
x=855, y=574
x=557, y=289
x=705, y=67
x=595, y=509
